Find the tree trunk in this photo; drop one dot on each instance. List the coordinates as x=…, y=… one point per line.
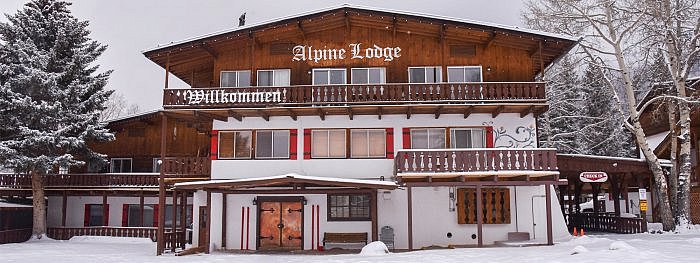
x=39, y=216
x=683, y=214
x=673, y=173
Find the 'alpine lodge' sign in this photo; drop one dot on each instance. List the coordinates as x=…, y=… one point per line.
x=593, y=177
x=309, y=53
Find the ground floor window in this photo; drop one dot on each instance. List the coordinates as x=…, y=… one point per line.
x=95, y=215
x=132, y=215
x=495, y=203
x=349, y=207
x=169, y=215
x=120, y=165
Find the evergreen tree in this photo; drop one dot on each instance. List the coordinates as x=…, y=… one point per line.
x=559, y=126
x=51, y=94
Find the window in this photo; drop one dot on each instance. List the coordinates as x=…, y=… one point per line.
x=367, y=143
x=235, y=144
x=424, y=74
x=273, y=77
x=235, y=78
x=464, y=74
x=326, y=76
x=156, y=165
x=120, y=165
x=467, y=138
x=132, y=218
x=169, y=215
x=95, y=215
x=328, y=144
x=368, y=75
x=349, y=208
x=428, y=138
x=495, y=203
x=272, y=144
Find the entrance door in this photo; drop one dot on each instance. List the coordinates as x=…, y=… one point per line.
x=203, y=226
x=280, y=223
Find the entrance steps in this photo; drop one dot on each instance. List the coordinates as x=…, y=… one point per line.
x=517, y=239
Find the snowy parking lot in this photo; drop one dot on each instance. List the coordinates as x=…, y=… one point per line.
x=594, y=248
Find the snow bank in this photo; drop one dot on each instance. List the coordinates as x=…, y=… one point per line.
x=621, y=245
x=579, y=250
x=655, y=227
x=375, y=248
x=116, y=240
x=694, y=241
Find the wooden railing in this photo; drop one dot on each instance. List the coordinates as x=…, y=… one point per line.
x=15, y=235
x=474, y=160
x=389, y=93
x=65, y=233
x=180, y=239
x=187, y=166
x=607, y=223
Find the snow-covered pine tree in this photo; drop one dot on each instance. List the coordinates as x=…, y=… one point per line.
x=51, y=94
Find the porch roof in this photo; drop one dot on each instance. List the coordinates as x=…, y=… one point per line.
x=287, y=180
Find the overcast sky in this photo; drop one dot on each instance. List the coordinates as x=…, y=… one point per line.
x=129, y=27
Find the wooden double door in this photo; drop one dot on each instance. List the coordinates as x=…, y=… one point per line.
x=280, y=223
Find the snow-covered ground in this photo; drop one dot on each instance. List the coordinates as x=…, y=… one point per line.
x=594, y=248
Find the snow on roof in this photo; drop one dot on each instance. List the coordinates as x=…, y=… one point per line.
x=367, y=8
x=132, y=116
x=6, y=204
x=603, y=157
x=292, y=176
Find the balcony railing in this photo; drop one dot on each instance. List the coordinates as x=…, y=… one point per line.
x=348, y=94
x=475, y=160
x=607, y=223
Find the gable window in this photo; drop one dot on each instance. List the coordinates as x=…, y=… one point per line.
x=235, y=144
x=352, y=207
x=370, y=143
x=464, y=74
x=428, y=138
x=495, y=204
x=368, y=75
x=239, y=78
x=120, y=165
x=424, y=74
x=273, y=77
x=272, y=144
x=326, y=76
x=328, y=144
x=95, y=215
x=467, y=138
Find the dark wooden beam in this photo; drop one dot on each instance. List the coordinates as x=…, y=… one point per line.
x=264, y=115
x=548, y=204
x=490, y=40
x=527, y=111
x=497, y=111
x=393, y=27
x=210, y=116
x=379, y=112
x=468, y=111
x=409, y=195
x=301, y=29
x=321, y=114
x=235, y=115
x=350, y=113
x=408, y=112
x=484, y=183
x=210, y=51
x=223, y=219
x=292, y=114
x=438, y=111
x=479, y=217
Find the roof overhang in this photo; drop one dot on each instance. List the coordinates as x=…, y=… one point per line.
x=291, y=180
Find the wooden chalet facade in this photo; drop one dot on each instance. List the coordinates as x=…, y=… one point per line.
x=351, y=124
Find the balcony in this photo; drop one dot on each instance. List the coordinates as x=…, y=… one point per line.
x=476, y=164
x=390, y=98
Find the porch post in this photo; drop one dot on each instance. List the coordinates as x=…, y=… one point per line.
x=410, y=218
x=183, y=217
x=548, y=204
x=223, y=220
x=105, y=209
x=208, y=240
x=173, y=225
x=141, y=220
x=479, y=216
x=63, y=209
x=374, y=213
x=161, y=184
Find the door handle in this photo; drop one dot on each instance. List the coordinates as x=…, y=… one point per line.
x=280, y=225
x=294, y=210
x=264, y=237
x=267, y=210
x=291, y=237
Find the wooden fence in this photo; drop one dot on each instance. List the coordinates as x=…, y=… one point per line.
x=607, y=223
x=15, y=235
x=65, y=233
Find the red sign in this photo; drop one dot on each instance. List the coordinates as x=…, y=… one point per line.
x=593, y=177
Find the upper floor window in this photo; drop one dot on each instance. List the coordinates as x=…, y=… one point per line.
x=370, y=143
x=235, y=144
x=467, y=138
x=120, y=165
x=240, y=78
x=464, y=74
x=368, y=75
x=272, y=144
x=437, y=138
x=156, y=165
x=273, y=77
x=428, y=138
x=326, y=76
x=328, y=144
x=424, y=74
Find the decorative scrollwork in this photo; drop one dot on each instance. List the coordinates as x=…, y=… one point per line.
x=523, y=137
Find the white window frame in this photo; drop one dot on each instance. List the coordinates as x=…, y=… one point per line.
x=382, y=69
x=250, y=151
x=439, y=75
x=366, y=132
x=156, y=164
x=481, y=72
x=444, y=130
x=345, y=75
x=238, y=76
x=272, y=144
x=274, y=72
x=111, y=164
x=483, y=136
x=328, y=144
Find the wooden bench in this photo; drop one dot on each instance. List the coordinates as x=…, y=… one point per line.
x=329, y=237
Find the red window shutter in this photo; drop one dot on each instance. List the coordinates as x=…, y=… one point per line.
x=407, y=138
x=125, y=215
x=155, y=215
x=390, y=143
x=214, y=144
x=489, y=136
x=307, y=144
x=293, y=144
x=86, y=221
x=105, y=213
